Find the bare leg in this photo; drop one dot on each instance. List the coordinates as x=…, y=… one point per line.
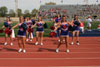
x=41, y=37
x=19, y=43
x=37, y=36
x=77, y=38
x=73, y=35
x=11, y=38
x=23, y=42
x=67, y=42
x=77, y=35
x=61, y=38
x=6, y=36
x=30, y=35
x=26, y=35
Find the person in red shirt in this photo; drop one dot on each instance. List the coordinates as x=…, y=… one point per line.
x=99, y=27
x=82, y=27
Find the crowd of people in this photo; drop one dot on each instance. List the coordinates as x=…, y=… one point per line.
x=80, y=10
x=62, y=27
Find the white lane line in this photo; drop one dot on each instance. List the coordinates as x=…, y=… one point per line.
x=49, y=66
x=97, y=58
x=53, y=48
x=50, y=52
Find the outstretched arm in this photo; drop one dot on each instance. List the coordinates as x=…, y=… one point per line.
x=3, y=27
x=57, y=27
x=79, y=20
x=15, y=26
x=33, y=25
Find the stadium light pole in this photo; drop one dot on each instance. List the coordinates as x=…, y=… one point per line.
x=86, y=2
x=61, y=1
x=16, y=7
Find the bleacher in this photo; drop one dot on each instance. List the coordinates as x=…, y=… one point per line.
x=81, y=10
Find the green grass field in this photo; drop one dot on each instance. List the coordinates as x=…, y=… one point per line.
x=47, y=31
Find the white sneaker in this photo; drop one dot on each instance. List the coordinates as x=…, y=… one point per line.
x=57, y=50
x=36, y=43
x=31, y=40
x=26, y=39
x=11, y=44
x=24, y=51
x=72, y=43
x=41, y=44
x=67, y=50
x=5, y=43
x=20, y=50
x=58, y=40
x=77, y=43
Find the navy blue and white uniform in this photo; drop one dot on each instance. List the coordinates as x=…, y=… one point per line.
x=39, y=27
x=57, y=20
x=64, y=30
x=8, y=27
x=76, y=25
x=21, y=31
x=29, y=25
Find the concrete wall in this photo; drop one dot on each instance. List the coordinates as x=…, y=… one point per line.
x=13, y=19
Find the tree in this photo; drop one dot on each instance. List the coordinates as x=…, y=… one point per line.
x=3, y=11
x=34, y=12
x=11, y=13
x=27, y=13
x=19, y=12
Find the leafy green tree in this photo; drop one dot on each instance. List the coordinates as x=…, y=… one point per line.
x=3, y=11
x=11, y=13
x=34, y=12
x=27, y=13
x=19, y=12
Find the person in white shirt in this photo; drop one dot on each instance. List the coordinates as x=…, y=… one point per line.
x=89, y=23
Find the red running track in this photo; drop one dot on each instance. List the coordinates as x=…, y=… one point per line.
x=87, y=54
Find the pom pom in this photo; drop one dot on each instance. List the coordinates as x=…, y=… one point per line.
x=8, y=31
x=52, y=34
x=52, y=27
x=30, y=30
x=1, y=31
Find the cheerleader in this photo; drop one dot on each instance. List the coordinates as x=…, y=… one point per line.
x=76, y=23
x=39, y=30
x=8, y=32
x=64, y=35
x=33, y=20
x=29, y=32
x=21, y=34
x=57, y=20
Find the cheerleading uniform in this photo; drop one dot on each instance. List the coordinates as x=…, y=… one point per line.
x=21, y=31
x=57, y=20
x=39, y=27
x=8, y=27
x=29, y=24
x=75, y=25
x=64, y=30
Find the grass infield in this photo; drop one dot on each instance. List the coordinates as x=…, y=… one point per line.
x=47, y=30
